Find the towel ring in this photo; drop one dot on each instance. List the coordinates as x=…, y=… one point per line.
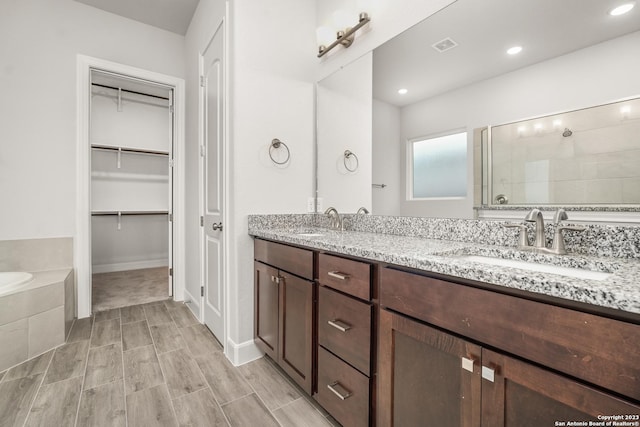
x=347, y=155
x=276, y=144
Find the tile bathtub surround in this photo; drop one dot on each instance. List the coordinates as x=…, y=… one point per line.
x=618, y=241
x=118, y=369
x=36, y=319
x=36, y=254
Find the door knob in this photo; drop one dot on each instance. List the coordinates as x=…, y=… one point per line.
x=217, y=226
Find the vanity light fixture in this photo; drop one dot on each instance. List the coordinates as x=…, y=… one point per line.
x=514, y=50
x=343, y=37
x=402, y=91
x=622, y=9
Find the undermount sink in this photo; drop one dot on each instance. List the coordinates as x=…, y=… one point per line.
x=578, y=273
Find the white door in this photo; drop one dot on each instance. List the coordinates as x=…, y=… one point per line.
x=213, y=186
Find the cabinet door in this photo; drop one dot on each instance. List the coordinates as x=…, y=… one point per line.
x=296, y=328
x=266, y=307
x=426, y=377
x=517, y=394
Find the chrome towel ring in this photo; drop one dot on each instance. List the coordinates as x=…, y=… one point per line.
x=275, y=145
x=348, y=155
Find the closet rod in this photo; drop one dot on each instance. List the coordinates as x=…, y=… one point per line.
x=129, y=150
x=116, y=213
x=130, y=91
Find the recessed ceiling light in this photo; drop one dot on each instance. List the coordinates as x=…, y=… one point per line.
x=514, y=50
x=622, y=9
x=402, y=91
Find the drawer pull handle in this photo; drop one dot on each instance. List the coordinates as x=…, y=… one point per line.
x=467, y=364
x=488, y=374
x=337, y=389
x=338, y=275
x=339, y=325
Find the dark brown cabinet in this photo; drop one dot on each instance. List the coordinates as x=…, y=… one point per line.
x=437, y=374
x=345, y=339
x=284, y=309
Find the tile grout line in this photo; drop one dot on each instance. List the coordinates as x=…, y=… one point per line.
x=155, y=351
x=201, y=371
x=124, y=386
x=84, y=376
x=44, y=375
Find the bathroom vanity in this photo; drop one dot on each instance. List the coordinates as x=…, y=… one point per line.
x=410, y=329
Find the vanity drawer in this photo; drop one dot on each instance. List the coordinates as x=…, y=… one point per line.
x=288, y=258
x=348, y=276
x=597, y=349
x=342, y=390
x=344, y=327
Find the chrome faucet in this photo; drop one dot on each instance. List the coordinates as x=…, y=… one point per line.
x=536, y=216
x=336, y=220
x=539, y=245
x=362, y=210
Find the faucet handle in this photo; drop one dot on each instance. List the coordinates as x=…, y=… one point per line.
x=560, y=215
x=523, y=237
x=557, y=246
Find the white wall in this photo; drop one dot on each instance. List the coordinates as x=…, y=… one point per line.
x=344, y=105
x=39, y=41
x=387, y=162
x=272, y=96
x=601, y=73
x=272, y=92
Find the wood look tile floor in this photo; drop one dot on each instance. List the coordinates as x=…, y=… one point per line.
x=125, y=288
x=150, y=365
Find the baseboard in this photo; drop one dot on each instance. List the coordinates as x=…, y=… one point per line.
x=239, y=354
x=125, y=266
x=192, y=304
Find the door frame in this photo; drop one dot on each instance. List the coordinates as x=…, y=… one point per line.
x=82, y=241
x=225, y=184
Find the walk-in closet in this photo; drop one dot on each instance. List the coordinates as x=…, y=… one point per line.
x=131, y=137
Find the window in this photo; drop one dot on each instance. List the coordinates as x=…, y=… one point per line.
x=439, y=166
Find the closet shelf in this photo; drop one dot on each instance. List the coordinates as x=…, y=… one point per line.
x=129, y=150
x=112, y=213
x=122, y=176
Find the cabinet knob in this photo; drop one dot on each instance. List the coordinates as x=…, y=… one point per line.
x=337, y=389
x=338, y=275
x=217, y=226
x=339, y=325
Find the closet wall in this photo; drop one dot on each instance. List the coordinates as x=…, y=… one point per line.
x=131, y=148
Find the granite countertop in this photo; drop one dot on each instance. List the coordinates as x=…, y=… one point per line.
x=621, y=290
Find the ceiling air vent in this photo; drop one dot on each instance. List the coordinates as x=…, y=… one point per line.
x=444, y=45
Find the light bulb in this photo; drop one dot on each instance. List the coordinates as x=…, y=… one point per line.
x=402, y=91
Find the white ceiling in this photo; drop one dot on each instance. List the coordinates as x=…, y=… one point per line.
x=484, y=30
x=170, y=15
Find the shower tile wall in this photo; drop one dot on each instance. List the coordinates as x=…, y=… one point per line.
x=597, y=163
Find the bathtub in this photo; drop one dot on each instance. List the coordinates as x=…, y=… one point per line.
x=36, y=312
x=13, y=280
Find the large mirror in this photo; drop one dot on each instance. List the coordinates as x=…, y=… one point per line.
x=458, y=79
